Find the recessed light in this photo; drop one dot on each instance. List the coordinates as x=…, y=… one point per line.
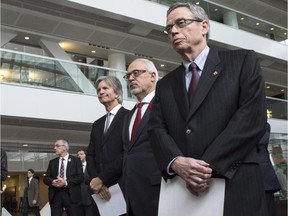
x=272, y=29
x=257, y=24
x=197, y=3
x=162, y=65
x=25, y=145
x=242, y=18
x=285, y=33
x=216, y=9
x=268, y=87
x=93, y=51
x=282, y=90
x=27, y=38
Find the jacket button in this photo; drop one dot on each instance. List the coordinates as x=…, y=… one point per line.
x=188, y=131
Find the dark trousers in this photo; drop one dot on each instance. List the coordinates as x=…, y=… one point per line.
x=26, y=208
x=62, y=200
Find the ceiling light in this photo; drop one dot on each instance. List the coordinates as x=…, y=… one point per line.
x=268, y=87
x=282, y=90
x=257, y=24
x=216, y=9
x=162, y=65
x=285, y=33
x=197, y=3
x=25, y=145
x=93, y=51
x=272, y=29
x=242, y=18
x=26, y=38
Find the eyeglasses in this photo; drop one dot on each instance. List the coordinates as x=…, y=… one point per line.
x=58, y=145
x=134, y=74
x=179, y=23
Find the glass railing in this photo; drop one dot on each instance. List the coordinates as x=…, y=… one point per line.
x=217, y=12
x=44, y=72
x=38, y=71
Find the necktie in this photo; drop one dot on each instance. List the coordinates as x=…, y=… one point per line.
x=62, y=168
x=107, y=122
x=137, y=121
x=194, y=81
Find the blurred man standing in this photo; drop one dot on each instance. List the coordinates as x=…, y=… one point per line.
x=63, y=177
x=31, y=195
x=89, y=207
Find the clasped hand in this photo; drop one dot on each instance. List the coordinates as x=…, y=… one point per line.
x=195, y=173
x=59, y=182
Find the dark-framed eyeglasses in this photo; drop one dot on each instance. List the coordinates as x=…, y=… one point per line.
x=179, y=23
x=58, y=145
x=134, y=74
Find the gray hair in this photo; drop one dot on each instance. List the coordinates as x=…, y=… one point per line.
x=65, y=143
x=150, y=66
x=113, y=82
x=198, y=12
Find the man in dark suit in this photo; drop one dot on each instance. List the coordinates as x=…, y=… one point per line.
x=271, y=183
x=105, y=150
x=89, y=207
x=63, y=177
x=140, y=171
x=210, y=128
x=31, y=195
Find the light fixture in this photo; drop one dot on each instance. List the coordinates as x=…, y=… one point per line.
x=216, y=9
x=268, y=87
x=257, y=24
x=26, y=38
x=162, y=65
x=197, y=3
x=242, y=18
x=272, y=29
x=269, y=113
x=282, y=90
x=25, y=145
x=93, y=51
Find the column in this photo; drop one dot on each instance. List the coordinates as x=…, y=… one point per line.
x=230, y=18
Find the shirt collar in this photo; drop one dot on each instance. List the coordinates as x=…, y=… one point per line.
x=147, y=99
x=115, y=109
x=200, y=60
x=65, y=157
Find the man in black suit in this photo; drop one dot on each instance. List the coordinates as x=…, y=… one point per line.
x=210, y=128
x=105, y=150
x=63, y=177
x=89, y=207
x=31, y=197
x=140, y=172
x=271, y=183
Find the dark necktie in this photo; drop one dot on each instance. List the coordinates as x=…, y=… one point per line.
x=62, y=168
x=194, y=81
x=107, y=122
x=137, y=121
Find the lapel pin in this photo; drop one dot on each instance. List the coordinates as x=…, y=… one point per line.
x=215, y=73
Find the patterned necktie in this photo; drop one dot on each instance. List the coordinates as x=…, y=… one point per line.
x=107, y=122
x=136, y=122
x=194, y=81
x=62, y=168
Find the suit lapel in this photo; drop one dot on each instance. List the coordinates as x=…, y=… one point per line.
x=210, y=73
x=180, y=89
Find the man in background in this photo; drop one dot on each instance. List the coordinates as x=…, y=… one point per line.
x=63, y=177
x=31, y=197
x=89, y=207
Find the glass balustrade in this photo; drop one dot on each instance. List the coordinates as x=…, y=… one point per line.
x=43, y=72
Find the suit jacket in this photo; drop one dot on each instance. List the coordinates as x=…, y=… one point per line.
x=270, y=179
x=105, y=152
x=74, y=177
x=31, y=191
x=85, y=190
x=224, y=124
x=141, y=174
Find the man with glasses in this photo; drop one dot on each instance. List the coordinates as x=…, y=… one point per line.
x=63, y=177
x=209, y=114
x=140, y=172
x=31, y=195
